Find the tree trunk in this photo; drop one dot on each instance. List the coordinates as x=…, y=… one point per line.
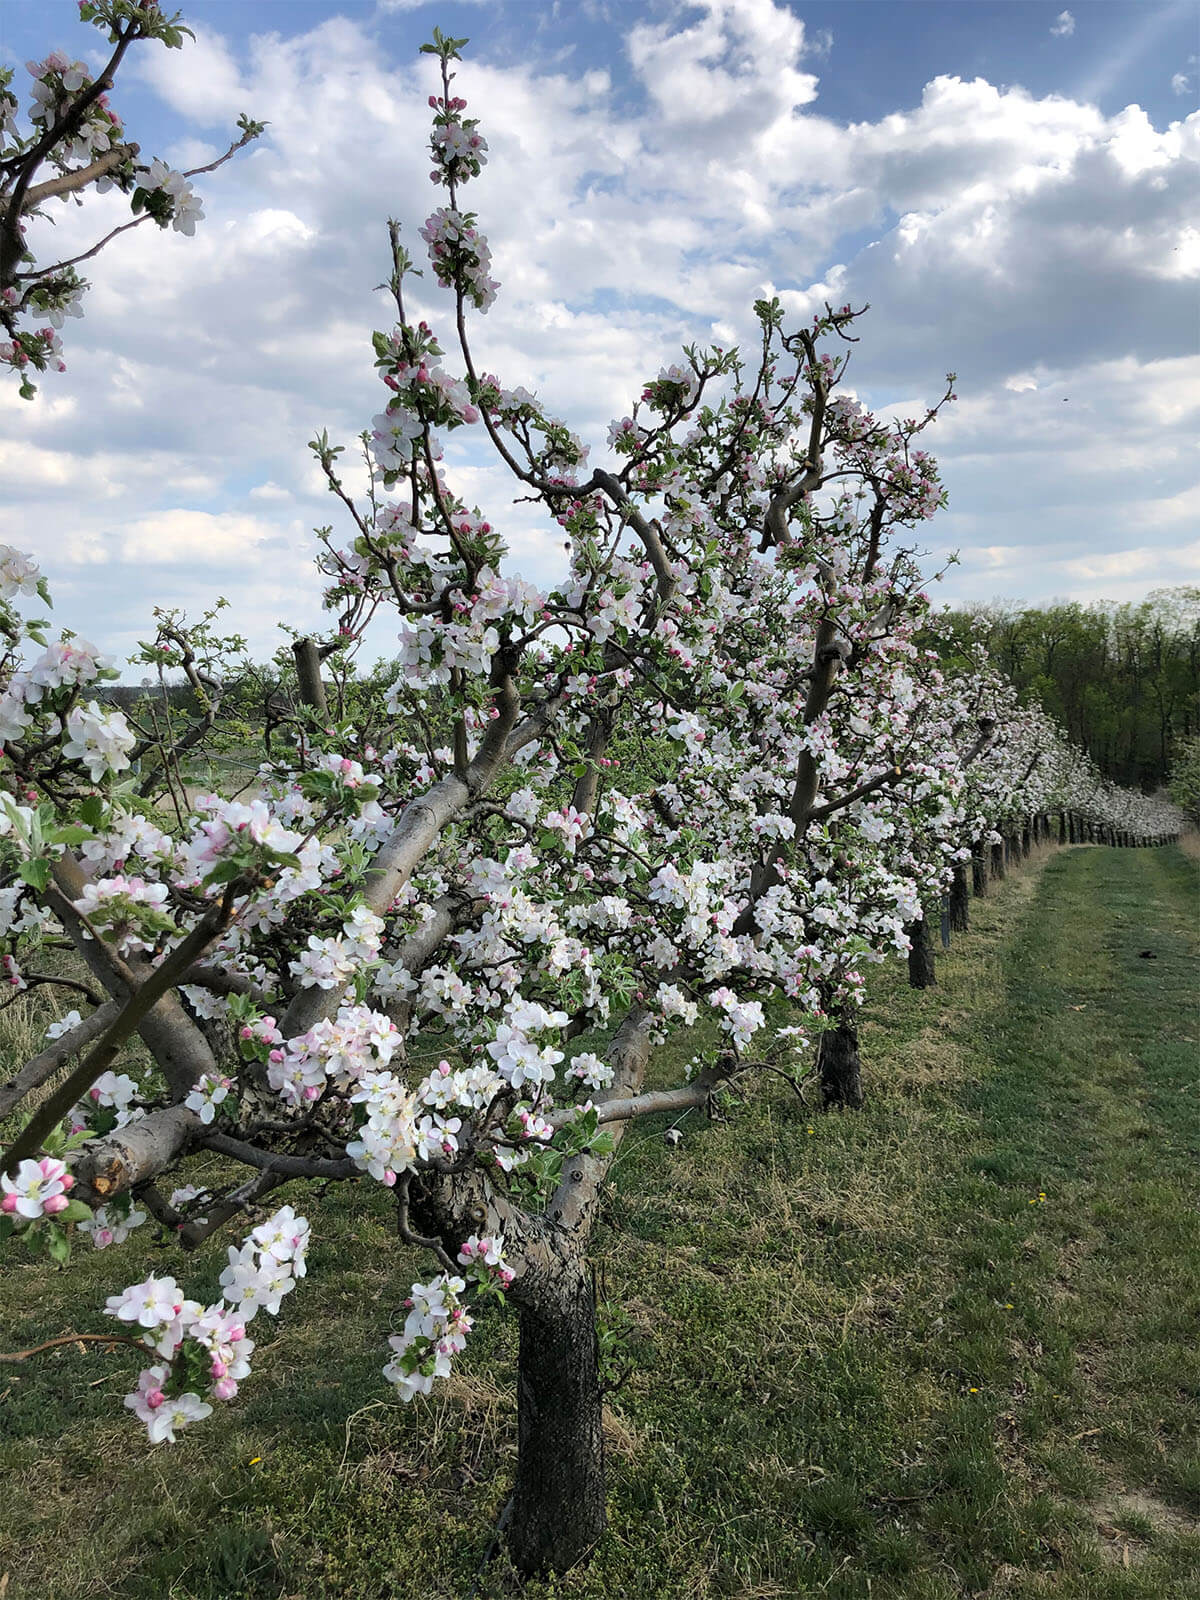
x=558, y=1510
x=308, y=675
x=979, y=871
x=921, y=973
x=960, y=900
x=998, y=861
x=839, y=1068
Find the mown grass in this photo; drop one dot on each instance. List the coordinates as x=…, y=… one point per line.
x=942, y=1348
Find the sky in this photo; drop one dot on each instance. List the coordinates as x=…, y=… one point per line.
x=1014, y=188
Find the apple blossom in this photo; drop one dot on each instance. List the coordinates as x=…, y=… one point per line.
x=37, y=1189
x=101, y=740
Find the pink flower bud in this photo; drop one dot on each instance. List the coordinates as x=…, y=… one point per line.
x=9, y=1203
x=154, y=1398
x=54, y=1204
x=225, y=1389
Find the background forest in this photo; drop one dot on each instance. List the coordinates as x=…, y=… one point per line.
x=1123, y=680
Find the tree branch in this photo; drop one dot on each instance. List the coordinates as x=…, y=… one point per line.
x=573, y=1207
x=68, y=182
x=47, y=1062
x=163, y=977
x=286, y=1166
x=74, y=1338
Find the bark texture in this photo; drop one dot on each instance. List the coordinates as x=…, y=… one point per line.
x=921, y=974
x=839, y=1069
x=960, y=900
x=979, y=871
x=557, y=1511
x=558, y=1506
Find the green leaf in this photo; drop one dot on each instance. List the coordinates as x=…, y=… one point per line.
x=224, y=872
x=77, y=1211
x=36, y=873
x=58, y=1245
x=68, y=833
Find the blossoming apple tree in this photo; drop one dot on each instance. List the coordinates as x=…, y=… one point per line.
x=689, y=791
x=74, y=142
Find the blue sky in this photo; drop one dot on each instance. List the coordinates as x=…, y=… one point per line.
x=1014, y=187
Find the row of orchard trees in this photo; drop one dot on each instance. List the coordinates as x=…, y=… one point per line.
x=696, y=788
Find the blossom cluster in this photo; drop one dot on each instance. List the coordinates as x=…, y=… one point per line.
x=168, y=197
x=438, y=1322
x=98, y=738
x=459, y=150
x=37, y=1189
x=460, y=256
x=204, y=1350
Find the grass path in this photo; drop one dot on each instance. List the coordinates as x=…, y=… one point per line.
x=944, y=1348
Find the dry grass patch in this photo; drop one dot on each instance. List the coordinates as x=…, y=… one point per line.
x=1128, y=1521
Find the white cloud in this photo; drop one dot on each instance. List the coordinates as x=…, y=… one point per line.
x=1139, y=563
x=1038, y=247
x=1180, y=82
x=386, y=6
x=1063, y=25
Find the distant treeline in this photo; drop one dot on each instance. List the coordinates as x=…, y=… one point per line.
x=130, y=697
x=1124, y=680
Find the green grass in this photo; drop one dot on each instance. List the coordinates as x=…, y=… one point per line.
x=943, y=1348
